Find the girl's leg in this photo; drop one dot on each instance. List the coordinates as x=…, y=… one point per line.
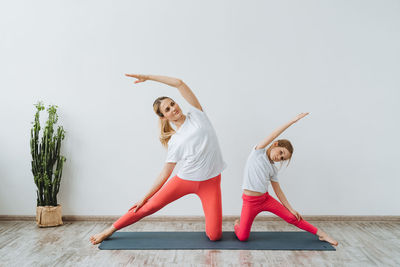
x=325, y=237
x=274, y=206
x=171, y=191
x=209, y=192
x=250, y=209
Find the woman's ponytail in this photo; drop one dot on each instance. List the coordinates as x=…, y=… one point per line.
x=166, y=130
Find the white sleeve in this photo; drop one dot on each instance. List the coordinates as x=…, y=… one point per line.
x=197, y=111
x=174, y=153
x=274, y=178
x=200, y=116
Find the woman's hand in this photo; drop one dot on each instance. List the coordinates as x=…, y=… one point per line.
x=138, y=205
x=140, y=78
x=300, y=116
x=296, y=214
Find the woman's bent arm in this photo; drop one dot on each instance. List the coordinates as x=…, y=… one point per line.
x=159, y=182
x=161, y=179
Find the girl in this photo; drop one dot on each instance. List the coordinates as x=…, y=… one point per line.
x=195, y=143
x=260, y=168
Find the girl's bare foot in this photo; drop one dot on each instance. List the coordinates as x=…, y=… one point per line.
x=325, y=237
x=98, y=238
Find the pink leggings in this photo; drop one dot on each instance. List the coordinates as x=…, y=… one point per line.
x=209, y=192
x=253, y=205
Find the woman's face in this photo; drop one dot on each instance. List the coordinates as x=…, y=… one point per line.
x=170, y=109
x=278, y=154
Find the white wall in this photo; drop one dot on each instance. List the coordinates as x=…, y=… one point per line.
x=253, y=65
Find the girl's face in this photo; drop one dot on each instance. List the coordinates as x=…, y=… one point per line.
x=278, y=154
x=170, y=109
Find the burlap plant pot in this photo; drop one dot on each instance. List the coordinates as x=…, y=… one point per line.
x=47, y=216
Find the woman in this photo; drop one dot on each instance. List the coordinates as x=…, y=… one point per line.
x=195, y=143
x=259, y=171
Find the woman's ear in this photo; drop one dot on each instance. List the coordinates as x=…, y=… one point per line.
x=275, y=143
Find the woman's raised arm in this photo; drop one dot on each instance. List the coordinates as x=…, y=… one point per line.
x=185, y=91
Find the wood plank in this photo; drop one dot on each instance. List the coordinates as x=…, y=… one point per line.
x=362, y=243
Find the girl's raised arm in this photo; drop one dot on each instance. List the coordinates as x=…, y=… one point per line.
x=174, y=82
x=278, y=131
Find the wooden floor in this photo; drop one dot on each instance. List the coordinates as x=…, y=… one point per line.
x=22, y=243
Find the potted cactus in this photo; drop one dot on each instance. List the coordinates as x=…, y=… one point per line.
x=47, y=165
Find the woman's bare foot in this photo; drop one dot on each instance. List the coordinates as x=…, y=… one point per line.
x=236, y=223
x=325, y=237
x=98, y=238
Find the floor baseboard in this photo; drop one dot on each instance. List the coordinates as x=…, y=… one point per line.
x=156, y=218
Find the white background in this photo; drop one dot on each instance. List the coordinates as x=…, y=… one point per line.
x=253, y=65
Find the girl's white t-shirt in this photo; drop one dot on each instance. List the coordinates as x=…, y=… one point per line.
x=259, y=171
x=195, y=143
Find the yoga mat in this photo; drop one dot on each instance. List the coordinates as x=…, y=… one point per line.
x=199, y=240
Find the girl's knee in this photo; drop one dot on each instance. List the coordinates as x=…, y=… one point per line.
x=215, y=235
x=242, y=237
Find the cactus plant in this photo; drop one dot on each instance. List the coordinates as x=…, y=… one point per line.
x=47, y=163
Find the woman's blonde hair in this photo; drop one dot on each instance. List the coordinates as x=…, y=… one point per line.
x=166, y=130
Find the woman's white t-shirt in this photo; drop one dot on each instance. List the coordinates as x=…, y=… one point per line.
x=195, y=143
x=259, y=171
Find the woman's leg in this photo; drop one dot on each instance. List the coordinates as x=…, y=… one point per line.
x=174, y=189
x=250, y=209
x=274, y=206
x=209, y=192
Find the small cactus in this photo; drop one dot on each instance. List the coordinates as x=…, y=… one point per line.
x=47, y=164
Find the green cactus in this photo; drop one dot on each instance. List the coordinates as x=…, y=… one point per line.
x=47, y=164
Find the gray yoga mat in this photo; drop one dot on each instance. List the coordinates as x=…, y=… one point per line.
x=199, y=240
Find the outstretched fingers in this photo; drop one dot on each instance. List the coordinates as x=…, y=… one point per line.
x=140, y=77
x=300, y=116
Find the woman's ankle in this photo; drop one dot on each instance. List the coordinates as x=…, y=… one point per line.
x=111, y=229
x=320, y=233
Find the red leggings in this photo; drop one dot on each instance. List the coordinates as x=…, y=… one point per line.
x=209, y=192
x=253, y=205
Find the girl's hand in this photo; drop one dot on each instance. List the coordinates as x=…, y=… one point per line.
x=140, y=78
x=300, y=116
x=296, y=214
x=138, y=205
